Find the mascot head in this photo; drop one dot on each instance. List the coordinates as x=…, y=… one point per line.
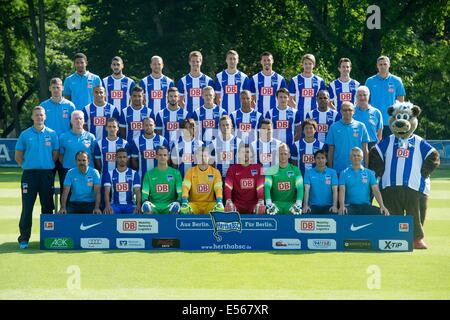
x=403, y=119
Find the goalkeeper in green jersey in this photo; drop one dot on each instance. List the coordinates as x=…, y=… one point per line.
x=283, y=190
x=161, y=189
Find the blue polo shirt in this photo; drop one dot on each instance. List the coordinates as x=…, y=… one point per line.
x=384, y=92
x=345, y=136
x=82, y=184
x=37, y=148
x=321, y=183
x=70, y=143
x=357, y=185
x=80, y=88
x=373, y=120
x=58, y=114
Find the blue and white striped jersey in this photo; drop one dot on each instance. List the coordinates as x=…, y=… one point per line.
x=284, y=123
x=324, y=121
x=105, y=151
x=342, y=91
x=155, y=92
x=183, y=153
x=208, y=122
x=145, y=150
x=303, y=153
x=191, y=89
x=229, y=86
x=131, y=120
x=265, y=89
x=305, y=92
x=95, y=117
x=118, y=91
x=224, y=152
x=169, y=122
x=122, y=185
x=246, y=124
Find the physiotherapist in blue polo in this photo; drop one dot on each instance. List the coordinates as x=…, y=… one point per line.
x=384, y=89
x=343, y=136
x=83, y=182
x=355, y=186
x=74, y=140
x=321, y=187
x=36, y=152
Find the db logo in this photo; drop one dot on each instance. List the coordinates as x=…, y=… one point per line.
x=247, y=183
x=122, y=187
x=129, y=226
x=156, y=94
x=245, y=127
x=116, y=94
x=307, y=92
x=110, y=156
x=402, y=153
x=136, y=125
x=149, y=154
x=203, y=188
x=284, y=186
x=266, y=157
x=231, y=89
x=322, y=128
x=188, y=157
x=226, y=155
x=282, y=124
x=307, y=225
x=267, y=91
x=195, y=92
x=172, y=125
x=99, y=121
x=162, y=188
x=345, y=96
x=308, y=158
x=208, y=124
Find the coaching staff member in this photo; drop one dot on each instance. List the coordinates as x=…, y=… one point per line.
x=36, y=152
x=84, y=184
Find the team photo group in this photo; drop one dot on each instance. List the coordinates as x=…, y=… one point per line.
x=258, y=144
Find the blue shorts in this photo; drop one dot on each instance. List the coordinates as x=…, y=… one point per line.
x=123, y=208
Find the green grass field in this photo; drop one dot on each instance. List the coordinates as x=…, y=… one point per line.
x=35, y=274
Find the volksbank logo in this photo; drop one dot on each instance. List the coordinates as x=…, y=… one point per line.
x=58, y=243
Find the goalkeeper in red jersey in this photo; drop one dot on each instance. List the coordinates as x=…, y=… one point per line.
x=244, y=184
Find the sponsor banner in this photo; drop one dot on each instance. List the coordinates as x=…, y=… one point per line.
x=137, y=226
x=226, y=231
x=94, y=243
x=130, y=243
x=357, y=245
x=311, y=225
x=393, y=245
x=7, y=151
x=59, y=243
x=286, y=244
x=322, y=244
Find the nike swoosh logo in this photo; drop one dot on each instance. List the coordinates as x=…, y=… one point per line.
x=84, y=228
x=353, y=228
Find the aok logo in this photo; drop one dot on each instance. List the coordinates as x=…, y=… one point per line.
x=195, y=92
x=203, y=188
x=110, y=156
x=122, y=187
x=116, y=94
x=136, y=125
x=59, y=243
x=209, y=124
x=245, y=127
x=266, y=91
x=282, y=124
x=99, y=121
x=307, y=92
x=322, y=128
x=284, y=186
x=345, y=96
x=172, y=125
x=149, y=154
x=247, y=183
x=402, y=153
x=162, y=188
x=231, y=89
x=156, y=94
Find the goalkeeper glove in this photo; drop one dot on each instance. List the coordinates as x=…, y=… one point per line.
x=271, y=207
x=260, y=207
x=147, y=207
x=296, y=207
x=174, y=207
x=185, y=207
x=219, y=206
x=229, y=206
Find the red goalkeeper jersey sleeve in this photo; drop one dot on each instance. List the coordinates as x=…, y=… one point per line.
x=244, y=184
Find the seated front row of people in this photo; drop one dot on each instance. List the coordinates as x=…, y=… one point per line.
x=279, y=189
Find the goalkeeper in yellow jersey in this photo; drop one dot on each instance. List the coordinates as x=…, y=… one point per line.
x=202, y=187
